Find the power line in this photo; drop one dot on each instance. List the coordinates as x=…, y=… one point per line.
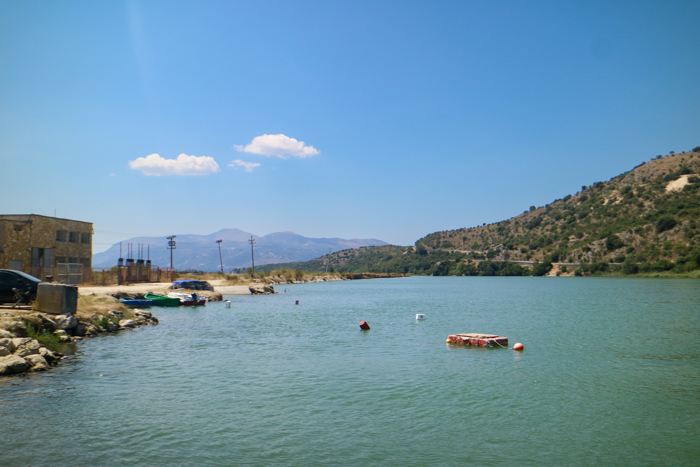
x=252, y=253
x=220, y=257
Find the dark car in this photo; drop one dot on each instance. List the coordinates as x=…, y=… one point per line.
x=25, y=285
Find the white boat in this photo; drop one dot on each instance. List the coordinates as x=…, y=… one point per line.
x=189, y=299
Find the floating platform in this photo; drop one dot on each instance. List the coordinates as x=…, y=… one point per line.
x=478, y=340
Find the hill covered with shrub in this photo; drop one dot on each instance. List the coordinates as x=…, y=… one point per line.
x=642, y=221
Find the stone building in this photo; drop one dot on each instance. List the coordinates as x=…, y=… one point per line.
x=34, y=243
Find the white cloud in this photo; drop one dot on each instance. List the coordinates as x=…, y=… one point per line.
x=247, y=166
x=279, y=146
x=183, y=165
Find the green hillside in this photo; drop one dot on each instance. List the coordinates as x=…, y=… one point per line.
x=642, y=221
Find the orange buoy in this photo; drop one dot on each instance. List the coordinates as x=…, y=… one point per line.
x=518, y=346
x=364, y=326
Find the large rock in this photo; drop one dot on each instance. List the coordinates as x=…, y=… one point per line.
x=18, y=328
x=127, y=323
x=48, y=355
x=4, y=351
x=92, y=330
x=5, y=334
x=17, y=341
x=63, y=336
x=48, y=324
x=143, y=313
x=37, y=363
x=111, y=327
x=80, y=330
x=66, y=322
x=12, y=364
x=117, y=314
x=28, y=348
x=7, y=343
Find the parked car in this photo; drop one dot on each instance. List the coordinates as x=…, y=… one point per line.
x=25, y=284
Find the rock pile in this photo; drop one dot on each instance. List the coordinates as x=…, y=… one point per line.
x=20, y=354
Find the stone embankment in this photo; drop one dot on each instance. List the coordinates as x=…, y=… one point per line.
x=20, y=353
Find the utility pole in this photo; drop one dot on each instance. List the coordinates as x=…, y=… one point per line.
x=329, y=259
x=220, y=257
x=171, y=247
x=252, y=253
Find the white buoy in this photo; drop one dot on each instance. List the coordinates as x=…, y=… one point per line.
x=420, y=316
x=228, y=303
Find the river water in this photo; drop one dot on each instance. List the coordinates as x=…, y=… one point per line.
x=610, y=374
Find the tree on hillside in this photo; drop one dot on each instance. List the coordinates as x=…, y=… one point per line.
x=665, y=223
x=540, y=269
x=613, y=242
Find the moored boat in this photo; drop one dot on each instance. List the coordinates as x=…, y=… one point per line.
x=135, y=303
x=189, y=299
x=162, y=300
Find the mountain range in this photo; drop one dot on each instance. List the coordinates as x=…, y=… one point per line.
x=201, y=252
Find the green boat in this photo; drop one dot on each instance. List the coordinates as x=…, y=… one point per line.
x=161, y=300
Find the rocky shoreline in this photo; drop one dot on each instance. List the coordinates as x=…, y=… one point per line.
x=25, y=337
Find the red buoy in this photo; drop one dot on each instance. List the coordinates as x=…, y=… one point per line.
x=364, y=326
x=518, y=346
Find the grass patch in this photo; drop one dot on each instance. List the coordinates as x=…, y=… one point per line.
x=49, y=340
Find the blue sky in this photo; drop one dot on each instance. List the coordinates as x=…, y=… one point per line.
x=414, y=116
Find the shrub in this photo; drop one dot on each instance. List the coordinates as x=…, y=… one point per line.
x=578, y=272
x=662, y=265
x=629, y=267
x=665, y=223
x=613, y=242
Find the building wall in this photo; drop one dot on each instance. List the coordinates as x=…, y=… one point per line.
x=31, y=238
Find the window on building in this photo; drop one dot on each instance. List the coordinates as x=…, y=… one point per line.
x=15, y=263
x=61, y=235
x=73, y=237
x=60, y=260
x=41, y=257
x=74, y=260
x=85, y=237
x=86, y=262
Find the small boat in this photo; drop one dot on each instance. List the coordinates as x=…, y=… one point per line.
x=479, y=340
x=134, y=303
x=189, y=299
x=162, y=300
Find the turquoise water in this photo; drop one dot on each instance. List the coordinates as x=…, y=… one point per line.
x=610, y=373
